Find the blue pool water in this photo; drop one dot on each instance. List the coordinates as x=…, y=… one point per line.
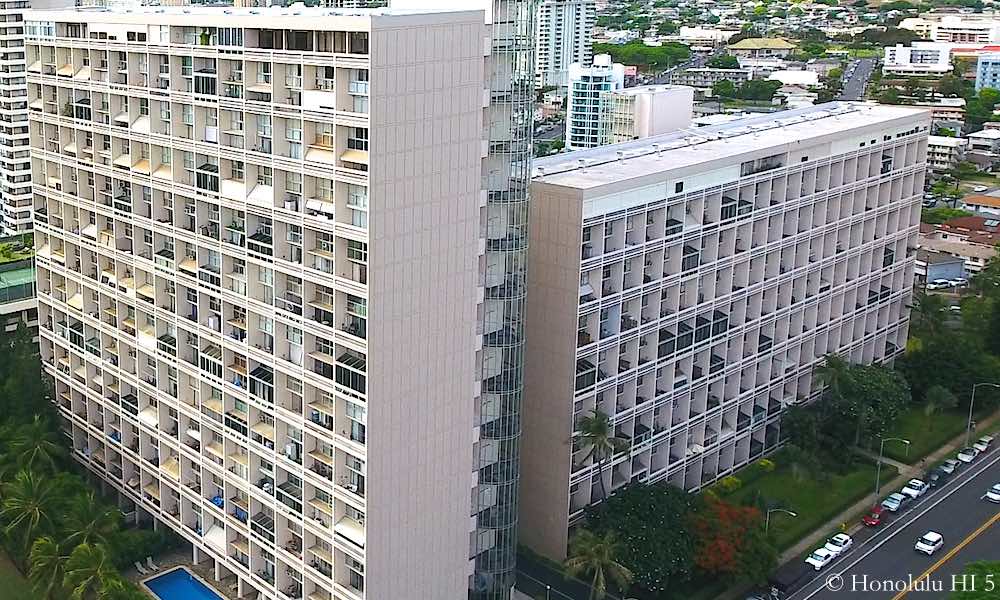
x=179, y=584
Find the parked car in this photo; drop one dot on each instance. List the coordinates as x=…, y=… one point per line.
x=968, y=455
x=980, y=188
x=950, y=466
x=983, y=443
x=873, y=518
x=915, y=489
x=929, y=543
x=938, y=477
x=819, y=558
x=839, y=544
x=993, y=494
x=938, y=284
x=959, y=282
x=894, y=502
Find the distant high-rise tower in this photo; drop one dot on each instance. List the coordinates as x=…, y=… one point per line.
x=563, y=37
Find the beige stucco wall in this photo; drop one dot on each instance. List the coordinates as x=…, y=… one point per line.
x=549, y=372
x=426, y=115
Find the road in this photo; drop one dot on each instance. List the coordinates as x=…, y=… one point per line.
x=969, y=524
x=854, y=85
x=695, y=62
x=556, y=132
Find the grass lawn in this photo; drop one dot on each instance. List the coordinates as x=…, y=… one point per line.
x=14, y=586
x=925, y=434
x=815, y=502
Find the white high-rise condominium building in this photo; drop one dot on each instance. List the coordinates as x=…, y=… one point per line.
x=15, y=162
x=563, y=36
x=686, y=286
x=280, y=274
x=583, y=100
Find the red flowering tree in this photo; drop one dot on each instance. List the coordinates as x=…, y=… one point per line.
x=730, y=542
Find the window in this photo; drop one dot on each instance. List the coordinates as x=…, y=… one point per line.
x=144, y=107
x=325, y=135
x=264, y=176
x=678, y=187
x=293, y=183
x=166, y=155
x=359, y=139
x=236, y=170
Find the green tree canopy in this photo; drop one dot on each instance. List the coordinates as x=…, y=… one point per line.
x=935, y=216
x=985, y=572
x=723, y=61
x=651, y=523
x=647, y=58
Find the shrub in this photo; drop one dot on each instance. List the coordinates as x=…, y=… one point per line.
x=766, y=465
x=730, y=484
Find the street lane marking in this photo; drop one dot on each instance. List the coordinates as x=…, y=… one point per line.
x=951, y=553
x=995, y=457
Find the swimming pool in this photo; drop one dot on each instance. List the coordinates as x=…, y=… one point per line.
x=180, y=584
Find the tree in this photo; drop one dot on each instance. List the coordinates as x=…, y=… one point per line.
x=652, y=525
x=30, y=506
x=926, y=313
x=984, y=571
x=667, y=28
x=597, y=556
x=36, y=446
x=723, y=61
x=88, y=570
x=936, y=399
x=758, y=89
x=91, y=522
x=834, y=373
x=647, y=58
x=801, y=427
x=597, y=434
x=45, y=571
x=724, y=89
x=872, y=399
x=951, y=85
x=724, y=535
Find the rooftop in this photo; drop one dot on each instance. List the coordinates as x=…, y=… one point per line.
x=596, y=167
x=943, y=140
x=281, y=16
x=762, y=44
x=982, y=200
x=986, y=134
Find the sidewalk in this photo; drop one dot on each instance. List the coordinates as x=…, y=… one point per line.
x=906, y=472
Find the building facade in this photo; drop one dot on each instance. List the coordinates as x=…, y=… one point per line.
x=705, y=77
x=251, y=232
x=988, y=71
x=583, y=100
x=761, y=48
x=644, y=111
x=564, y=32
x=960, y=29
x=15, y=161
x=917, y=60
x=944, y=153
x=686, y=285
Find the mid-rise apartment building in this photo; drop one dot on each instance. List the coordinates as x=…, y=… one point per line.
x=686, y=286
x=15, y=161
x=280, y=282
x=601, y=114
x=964, y=29
x=587, y=84
x=917, y=60
x=988, y=71
x=944, y=152
x=564, y=35
x=705, y=77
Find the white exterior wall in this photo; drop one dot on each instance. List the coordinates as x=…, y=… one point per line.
x=686, y=285
x=268, y=340
x=564, y=32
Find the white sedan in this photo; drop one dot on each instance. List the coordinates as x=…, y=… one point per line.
x=968, y=455
x=983, y=443
x=915, y=489
x=838, y=544
x=819, y=558
x=930, y=543
x=993, y=494
x=894, y=502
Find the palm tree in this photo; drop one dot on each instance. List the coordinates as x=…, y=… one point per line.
x=91, y=521
x=88, y=571
x=30, y=505
x=597, y=434
x=35, y=445
x=834, y=373
x=598, y=556
x=45, y=571
x=927, y=312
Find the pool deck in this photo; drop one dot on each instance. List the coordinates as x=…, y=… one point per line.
x=179, y=558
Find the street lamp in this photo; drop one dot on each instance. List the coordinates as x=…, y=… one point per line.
x=972, y=403
x=878, y=466
x=767, y=518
